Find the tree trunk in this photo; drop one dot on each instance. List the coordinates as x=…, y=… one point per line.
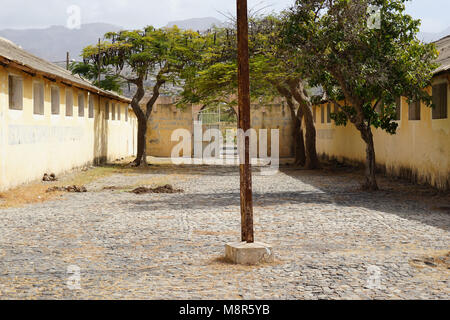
x=297, y=136
x=297, y=130
x=298, y=91
x=367, y=136
x=312, y=160
x=141, y=158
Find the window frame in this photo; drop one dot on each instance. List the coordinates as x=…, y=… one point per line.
x=59, y=100
x=38, y=110
x=440, y=114
x=328, y=113
x=11, y=87
x=107, y=110
x=81, y=113
x=322, y=114
x=69, y=93
x=113, y=111
x=398, y=109
x=414, y=111
x=91, y=106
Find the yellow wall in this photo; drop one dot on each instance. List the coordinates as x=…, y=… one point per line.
x=166, y=118
x=31, y=145
x=420, y=150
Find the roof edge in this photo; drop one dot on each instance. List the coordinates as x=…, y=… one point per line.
x=89, y=86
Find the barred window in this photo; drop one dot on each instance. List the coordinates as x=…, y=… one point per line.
x=55, y=100
x=118, y=112
x=69, y=103
x=38, y=98
x=440, y=101
x=414, y=110
x=81, y=104
x=113, y=111
x=91, y=106
x=126, y=114
x=15, y=92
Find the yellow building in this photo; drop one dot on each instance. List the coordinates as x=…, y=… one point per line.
x=52, y=121
x=420, y=151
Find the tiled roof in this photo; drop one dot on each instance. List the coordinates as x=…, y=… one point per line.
x=443, y=47
x=13, y=55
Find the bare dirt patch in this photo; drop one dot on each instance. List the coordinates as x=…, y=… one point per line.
x=24, y=195
x=439, y=261
x=37, y=192
x=74, y=189
x=111, y=188
x=162, y=189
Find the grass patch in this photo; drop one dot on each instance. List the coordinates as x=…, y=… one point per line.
x=86, y=177
x=37, y=192
x=28, y=194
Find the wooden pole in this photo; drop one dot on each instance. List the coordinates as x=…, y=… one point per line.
x=244, y=121
x=67, y=60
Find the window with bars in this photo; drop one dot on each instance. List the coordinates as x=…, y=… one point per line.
x=414, y=110
x=126, y=114
x=440, y=101
x=118, y=112
x=91, y=106
x=38, y=98
x=55, y=100
x=107, y=110
x=113, y=111
x=15, y=92
x=81, y=104
x=69, y=103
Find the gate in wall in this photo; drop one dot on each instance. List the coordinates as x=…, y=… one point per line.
x=224, y=119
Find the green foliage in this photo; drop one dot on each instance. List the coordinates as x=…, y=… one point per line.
x=214, y=79
x=161, y=56
x=108, y=80
x=358, y=64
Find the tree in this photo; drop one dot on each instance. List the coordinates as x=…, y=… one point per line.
x=159, y=56
x=277, y=66
x=109, y=80
x=275, y=72
x=362, y=69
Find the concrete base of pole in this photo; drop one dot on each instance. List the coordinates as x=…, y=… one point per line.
x=249, y=253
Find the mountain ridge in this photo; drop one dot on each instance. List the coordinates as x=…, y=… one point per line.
x=433, y=36
x=196, y=24
x=54, y=42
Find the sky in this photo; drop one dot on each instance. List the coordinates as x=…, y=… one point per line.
x=21, y=14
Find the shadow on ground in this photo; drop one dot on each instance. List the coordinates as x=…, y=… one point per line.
x=339, y=186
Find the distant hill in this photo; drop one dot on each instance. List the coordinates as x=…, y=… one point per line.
x=431, y=37
x=196, y=24
x=52, y=43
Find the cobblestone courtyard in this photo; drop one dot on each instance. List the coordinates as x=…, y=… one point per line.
x=332, y=240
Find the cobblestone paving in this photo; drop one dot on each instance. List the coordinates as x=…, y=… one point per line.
x=332, y=241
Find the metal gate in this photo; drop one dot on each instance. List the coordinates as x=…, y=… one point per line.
x=214, y=118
